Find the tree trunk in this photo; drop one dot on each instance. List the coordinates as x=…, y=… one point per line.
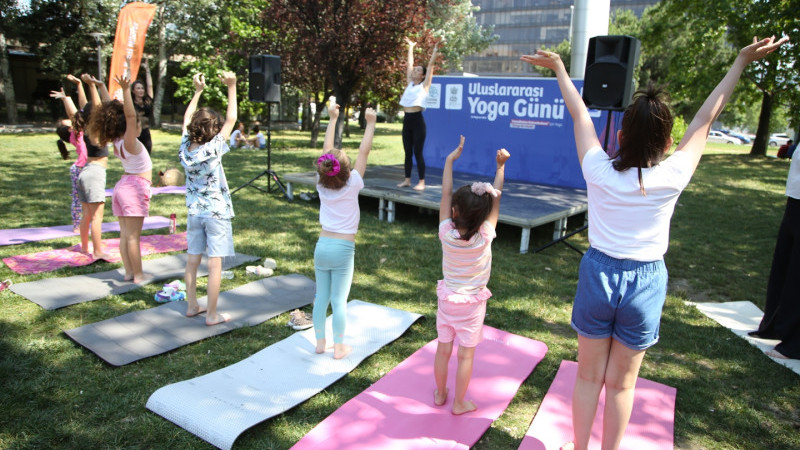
x=161, y=78
x=762, y=132
x=316, y=119
x=7, y=82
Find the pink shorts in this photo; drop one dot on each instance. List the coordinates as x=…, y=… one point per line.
x=462, y=320
x=131, y=197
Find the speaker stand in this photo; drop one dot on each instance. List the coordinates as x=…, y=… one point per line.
x=271, y=175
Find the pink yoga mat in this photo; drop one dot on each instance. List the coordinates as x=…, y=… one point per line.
x=397, y=412
x=158, y=190
x=24, y=235
x=652, y=422
x=71, y=256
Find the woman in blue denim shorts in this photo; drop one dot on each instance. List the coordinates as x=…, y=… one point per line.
x=622, y=284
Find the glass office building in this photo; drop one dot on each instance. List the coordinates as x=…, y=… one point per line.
x=524, y=26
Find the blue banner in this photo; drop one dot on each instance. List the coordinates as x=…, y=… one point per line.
x=526, y=116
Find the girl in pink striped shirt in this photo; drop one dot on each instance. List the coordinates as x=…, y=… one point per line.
x=467, y=221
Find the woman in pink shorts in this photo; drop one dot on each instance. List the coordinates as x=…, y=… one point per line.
x=118, y=123
x=467, y=221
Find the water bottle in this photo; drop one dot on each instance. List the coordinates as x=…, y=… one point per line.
x=227, y=274
x=173, y=223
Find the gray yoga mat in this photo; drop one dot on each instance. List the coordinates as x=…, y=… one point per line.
x=54, y=293
x=219, y=406
x=140, y=334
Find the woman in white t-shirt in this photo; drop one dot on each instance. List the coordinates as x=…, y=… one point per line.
x=414, y=130
x=622, y=283
x=339, y=215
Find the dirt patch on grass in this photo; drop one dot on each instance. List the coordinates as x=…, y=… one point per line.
x=682, y=288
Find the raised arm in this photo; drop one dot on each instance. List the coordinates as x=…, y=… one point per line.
x=95, y=96
x=330, y=132
x=199, y=81
x=694, y=141
x=69, y=105
x=148, y=77
x=131, y=129
x=499, y=179
x=585, y=135
x=229, y=79
x=426, y=84
x=79, y=87
x=410, y=60
x=445, y=205
x=366, y=141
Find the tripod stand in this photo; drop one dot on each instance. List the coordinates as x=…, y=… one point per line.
x=272, y=176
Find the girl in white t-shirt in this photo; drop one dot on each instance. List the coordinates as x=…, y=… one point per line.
x=338, y=188
x=622, y=283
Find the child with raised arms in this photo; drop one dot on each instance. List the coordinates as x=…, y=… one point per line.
x=338, y=184
x=468, y=218
x=208, y=228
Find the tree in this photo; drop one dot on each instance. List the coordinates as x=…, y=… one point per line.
x=9, y=12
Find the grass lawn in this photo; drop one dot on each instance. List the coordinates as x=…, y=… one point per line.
x=57, y=394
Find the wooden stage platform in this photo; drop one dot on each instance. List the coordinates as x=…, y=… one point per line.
x=524, y=204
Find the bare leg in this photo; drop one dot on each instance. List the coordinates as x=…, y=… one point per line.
x=133, y=233
x=406, y=183
x=443, y=352
x=463, y=375
x=92, y=220
x=190, y=278
x=214, y=280
x=86, y=220
x=592, y=361
x=620, y=380
x=123, y=248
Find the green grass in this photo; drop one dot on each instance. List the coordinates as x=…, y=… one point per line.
x=57, y=394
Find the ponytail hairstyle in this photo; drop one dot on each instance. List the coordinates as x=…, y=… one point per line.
x=107, y=123
x=205, y=124
x=80, y=120
x=646, y=131
x=333, y=168
x=470, y=209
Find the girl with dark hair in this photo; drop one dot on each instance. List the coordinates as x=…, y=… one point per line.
x=118, y=123
x=622, y=282
x=338, y=185
x=142, y=95
x=467, y=221
x=414, y=130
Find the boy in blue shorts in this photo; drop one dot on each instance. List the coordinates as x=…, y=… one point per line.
x=205, y=140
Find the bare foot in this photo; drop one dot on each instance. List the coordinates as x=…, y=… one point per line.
x=439, y=400
x=101, y=256
x=568, y=446
x=405, y=183
x=464, y=407
x=341, y=350
x=776, y=354
x=320, y=346
x=143, y=279
x=128, y=277
x=221, y=318
x=420, y=186
x=191, y=312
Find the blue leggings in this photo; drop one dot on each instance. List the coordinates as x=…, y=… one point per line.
x=333, y=264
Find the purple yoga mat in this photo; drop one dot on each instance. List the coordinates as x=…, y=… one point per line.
x=25, y=235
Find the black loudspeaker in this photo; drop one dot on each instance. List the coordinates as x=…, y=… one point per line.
x=265, y=79
x=608, y=80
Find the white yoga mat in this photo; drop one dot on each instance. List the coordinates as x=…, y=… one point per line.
x=221, y=405
x=741, y=318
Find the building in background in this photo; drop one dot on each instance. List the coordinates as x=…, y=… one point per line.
x=524, y=26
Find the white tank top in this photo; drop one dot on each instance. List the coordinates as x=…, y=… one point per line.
x=414, y=95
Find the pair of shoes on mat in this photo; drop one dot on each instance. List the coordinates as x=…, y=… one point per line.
x=169, y=294
x=260, y=271
x=300, y=320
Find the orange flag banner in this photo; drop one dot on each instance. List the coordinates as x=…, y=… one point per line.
x=132, y=25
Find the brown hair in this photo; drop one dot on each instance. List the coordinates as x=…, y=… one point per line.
x=205, y=124
x=646, y=130
x=339, y=180
x=470, y=210
x=107, y=123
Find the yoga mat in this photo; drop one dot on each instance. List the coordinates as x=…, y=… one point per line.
x=141, y=334
x=398, y=411
x=219, y=406
x=158, y=190
x=651, y=427
x=24, y=235
x=741, y=318
x=54, y=293
x=71, y=256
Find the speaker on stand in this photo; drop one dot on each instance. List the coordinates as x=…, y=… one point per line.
x=265, y=87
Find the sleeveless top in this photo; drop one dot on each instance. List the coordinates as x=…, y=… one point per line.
x=414, y=95
x=132, y=163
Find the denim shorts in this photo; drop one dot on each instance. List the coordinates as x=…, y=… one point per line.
x=208, y=233
x=619, y=298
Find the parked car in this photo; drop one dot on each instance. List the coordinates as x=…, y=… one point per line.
x=719, y=137
x=740, y=136
x=778, y=139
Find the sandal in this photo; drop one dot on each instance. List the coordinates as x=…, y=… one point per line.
x=169, y=294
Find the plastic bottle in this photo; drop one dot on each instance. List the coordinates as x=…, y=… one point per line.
x=173, y=224
x=227, y=274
